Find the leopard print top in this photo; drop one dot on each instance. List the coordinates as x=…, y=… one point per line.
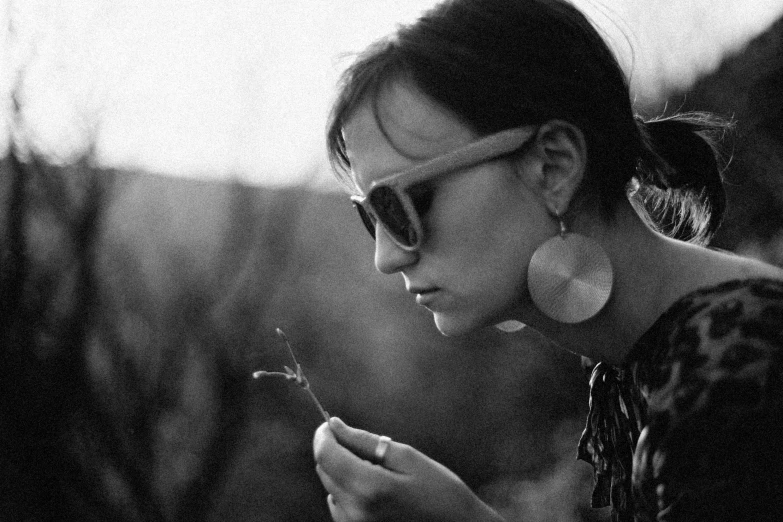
x=696, y=412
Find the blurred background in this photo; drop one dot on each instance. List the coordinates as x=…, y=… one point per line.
x=165, y=204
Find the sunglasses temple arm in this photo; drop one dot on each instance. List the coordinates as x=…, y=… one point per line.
x=477, y=152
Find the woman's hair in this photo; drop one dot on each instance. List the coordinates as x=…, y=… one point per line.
x=498, y=64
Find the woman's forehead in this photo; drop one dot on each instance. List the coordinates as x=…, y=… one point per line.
x=415, y=123
x=398, y=128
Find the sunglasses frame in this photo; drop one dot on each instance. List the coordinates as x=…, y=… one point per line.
x=480, y=151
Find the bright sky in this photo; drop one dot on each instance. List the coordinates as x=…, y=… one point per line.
x=240, y=88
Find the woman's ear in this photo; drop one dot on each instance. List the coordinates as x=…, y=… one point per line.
x=556, y=162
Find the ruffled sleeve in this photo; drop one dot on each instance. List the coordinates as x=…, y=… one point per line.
x=609, y=438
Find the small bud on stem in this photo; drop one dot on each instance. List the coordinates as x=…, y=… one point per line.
x=291, y=375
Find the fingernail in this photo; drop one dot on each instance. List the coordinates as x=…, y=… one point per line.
x=336, y=422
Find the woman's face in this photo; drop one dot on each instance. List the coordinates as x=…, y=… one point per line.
x=480, y=229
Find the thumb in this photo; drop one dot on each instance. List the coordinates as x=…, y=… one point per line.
x=361, y=443
x=323, y=437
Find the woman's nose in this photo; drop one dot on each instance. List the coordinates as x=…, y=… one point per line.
x=389, y=257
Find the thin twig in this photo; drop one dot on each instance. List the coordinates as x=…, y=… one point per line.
x=298, y=376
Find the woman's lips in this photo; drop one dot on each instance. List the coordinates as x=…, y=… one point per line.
x=424, y=296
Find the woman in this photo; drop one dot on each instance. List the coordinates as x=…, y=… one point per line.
x=495, y=158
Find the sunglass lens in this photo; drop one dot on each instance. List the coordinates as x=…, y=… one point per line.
x=367, y=219
x=391, y=212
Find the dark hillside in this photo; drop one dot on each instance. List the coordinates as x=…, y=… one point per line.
x=748, y=88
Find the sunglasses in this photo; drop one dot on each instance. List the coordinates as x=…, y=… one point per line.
x=389, y=199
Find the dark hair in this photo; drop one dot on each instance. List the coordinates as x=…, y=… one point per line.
x=498, y=64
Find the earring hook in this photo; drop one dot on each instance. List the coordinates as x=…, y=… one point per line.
x=561, y=221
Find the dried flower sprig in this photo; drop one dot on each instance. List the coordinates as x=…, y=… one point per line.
x=290, y=375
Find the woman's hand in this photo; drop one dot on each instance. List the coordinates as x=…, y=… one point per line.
x=405, y=485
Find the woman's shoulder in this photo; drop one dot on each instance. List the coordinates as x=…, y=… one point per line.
x=721, y=308
x=736, y=307
x=712, y=333
x=701, y=281
x=745, y=297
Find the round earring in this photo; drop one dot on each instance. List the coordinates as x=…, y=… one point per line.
x=570, y=277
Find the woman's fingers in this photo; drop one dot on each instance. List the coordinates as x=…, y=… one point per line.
x=341, y=512
x=346, y=469
x=340, y=506
x=334, y=510
x=407, y=486
x=329, y=484
x=371, y=447
x=352, y=503
x=331, y=454
x=361, y=443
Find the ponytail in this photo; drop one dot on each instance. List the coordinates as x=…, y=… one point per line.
x=679, y=181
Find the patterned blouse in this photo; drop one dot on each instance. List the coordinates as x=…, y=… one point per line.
x=690, y=427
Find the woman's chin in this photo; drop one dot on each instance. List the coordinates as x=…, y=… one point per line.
x=452, y=326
